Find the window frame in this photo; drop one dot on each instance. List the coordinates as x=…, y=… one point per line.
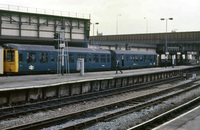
x=31, y=56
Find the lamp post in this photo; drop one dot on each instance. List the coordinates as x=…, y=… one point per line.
x=117, y=23
x=93, y=32
x=146, y=24
x=166, y=53
x=93, y=26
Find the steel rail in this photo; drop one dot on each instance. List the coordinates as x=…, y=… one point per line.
x=43, y=123
x=55, y=103
x=150, y=123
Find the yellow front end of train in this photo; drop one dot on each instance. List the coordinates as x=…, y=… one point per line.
x=11, y=61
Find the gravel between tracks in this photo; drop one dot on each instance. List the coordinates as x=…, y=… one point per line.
x=130, y=120
x=122, y=123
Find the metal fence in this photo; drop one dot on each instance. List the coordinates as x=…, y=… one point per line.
x=43, y=11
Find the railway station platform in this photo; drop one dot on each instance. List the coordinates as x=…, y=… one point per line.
x=30, y=81
x=187, y=121
x=22, y=89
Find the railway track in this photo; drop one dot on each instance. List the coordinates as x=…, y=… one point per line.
x=14, y=111
x=167, y=115
x=134, y=104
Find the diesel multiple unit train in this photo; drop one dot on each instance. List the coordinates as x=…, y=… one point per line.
x=22, y=58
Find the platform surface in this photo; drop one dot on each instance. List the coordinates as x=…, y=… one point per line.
x=35, y=81
x=187, y=121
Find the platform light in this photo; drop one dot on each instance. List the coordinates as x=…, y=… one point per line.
x=166, y=39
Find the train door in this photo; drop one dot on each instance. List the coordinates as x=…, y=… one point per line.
x=1, y=60
x=122, y=60
x=11, y=60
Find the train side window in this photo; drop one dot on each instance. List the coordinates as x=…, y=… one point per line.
x=140, y=58
x=155, y=58
x=127, y=58
x=90, y=58
x=10, y=55
x=43, y=57
x=20, y=58
x=96, y=58
x=79, y=56
x=151, y=58
x=136, y=58
x=108, y=58
x=52, y=58
x=103, y=58
x=133, y=58
x=145, y=58
x=71, y=58
x=31, y=58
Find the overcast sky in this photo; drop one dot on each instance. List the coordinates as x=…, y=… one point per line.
x=185, y=13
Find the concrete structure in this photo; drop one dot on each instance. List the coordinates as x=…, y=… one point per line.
x=121, y=45
x=183, y=46
x=37, y=26
x=187, y=121
x=22, y=89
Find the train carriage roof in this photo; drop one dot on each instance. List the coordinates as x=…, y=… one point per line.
x=133, y=52
x=51, y=48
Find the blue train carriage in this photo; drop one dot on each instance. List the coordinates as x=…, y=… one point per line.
x=1, y=60
x=94, y=59
x=44, y=59
x=21, y=58
x=133, y=59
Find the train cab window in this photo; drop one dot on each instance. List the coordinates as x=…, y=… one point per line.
x=103, y=58
x=71, y=58
x=31, y=58
x=43, y=57
x=108, y=58
x=20, y=58
x=10, y=56
x=52, y=58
